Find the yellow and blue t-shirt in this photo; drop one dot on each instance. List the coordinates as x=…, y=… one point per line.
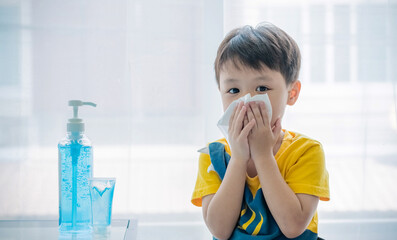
x=301, y=163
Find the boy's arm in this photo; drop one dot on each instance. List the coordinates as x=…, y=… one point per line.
x=291, y=211
x=222, y=209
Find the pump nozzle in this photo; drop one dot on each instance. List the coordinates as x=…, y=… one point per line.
x=76, y=124
x=76, y=104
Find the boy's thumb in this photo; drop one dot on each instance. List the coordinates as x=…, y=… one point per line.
x=277, y=127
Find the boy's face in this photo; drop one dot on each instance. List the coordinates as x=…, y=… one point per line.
x=236, y=82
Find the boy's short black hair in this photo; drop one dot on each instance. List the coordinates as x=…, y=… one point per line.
x=266, y=44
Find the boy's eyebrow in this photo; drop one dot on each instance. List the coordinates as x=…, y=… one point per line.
x=264, y=78
x=231, y=80
x=261, y=78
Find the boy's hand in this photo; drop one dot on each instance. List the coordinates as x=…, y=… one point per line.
x=263, y=137
x=238, y=133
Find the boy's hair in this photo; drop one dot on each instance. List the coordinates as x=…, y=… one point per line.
x=266, y=44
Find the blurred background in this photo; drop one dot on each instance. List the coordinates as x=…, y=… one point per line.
x=148, y=64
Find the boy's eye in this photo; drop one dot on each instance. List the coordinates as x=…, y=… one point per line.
x=234, y=90
x=262, y=89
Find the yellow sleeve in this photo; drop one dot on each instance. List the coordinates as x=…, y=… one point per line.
x=206, y=183
x=309, y=175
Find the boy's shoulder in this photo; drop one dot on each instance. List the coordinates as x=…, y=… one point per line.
x=296, y=139
x=296, y=136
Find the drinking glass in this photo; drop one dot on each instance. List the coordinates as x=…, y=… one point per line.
x=101, y=192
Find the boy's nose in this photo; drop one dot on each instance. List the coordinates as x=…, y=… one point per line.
x=243, y=93
x=253, y=93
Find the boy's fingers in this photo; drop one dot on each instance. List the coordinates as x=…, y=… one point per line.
x=231, y=120
x=257, y=113
x=232, y=116
x=245, y=120
x=264, y=113
x=250, y=114
x=240, y=119
x=277, y=128
x=247, y=129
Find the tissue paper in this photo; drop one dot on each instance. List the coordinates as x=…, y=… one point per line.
x=223, y=123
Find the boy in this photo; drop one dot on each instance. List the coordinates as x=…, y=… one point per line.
x=264, y=182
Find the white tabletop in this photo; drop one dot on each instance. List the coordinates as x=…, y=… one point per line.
x=121, y=229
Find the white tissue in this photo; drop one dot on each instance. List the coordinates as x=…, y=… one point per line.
x=223, y=123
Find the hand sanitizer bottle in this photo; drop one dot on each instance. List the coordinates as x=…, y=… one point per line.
x=75, y=168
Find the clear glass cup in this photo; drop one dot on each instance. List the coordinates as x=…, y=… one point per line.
x=101, y=192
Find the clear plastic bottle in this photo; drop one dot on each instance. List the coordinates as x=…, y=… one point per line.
x=75, y=168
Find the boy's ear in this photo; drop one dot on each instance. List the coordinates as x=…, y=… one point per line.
x=293, y=93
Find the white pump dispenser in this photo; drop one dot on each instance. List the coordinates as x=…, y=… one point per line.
x=75, y=124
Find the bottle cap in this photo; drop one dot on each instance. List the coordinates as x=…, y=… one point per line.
x=75, y=124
